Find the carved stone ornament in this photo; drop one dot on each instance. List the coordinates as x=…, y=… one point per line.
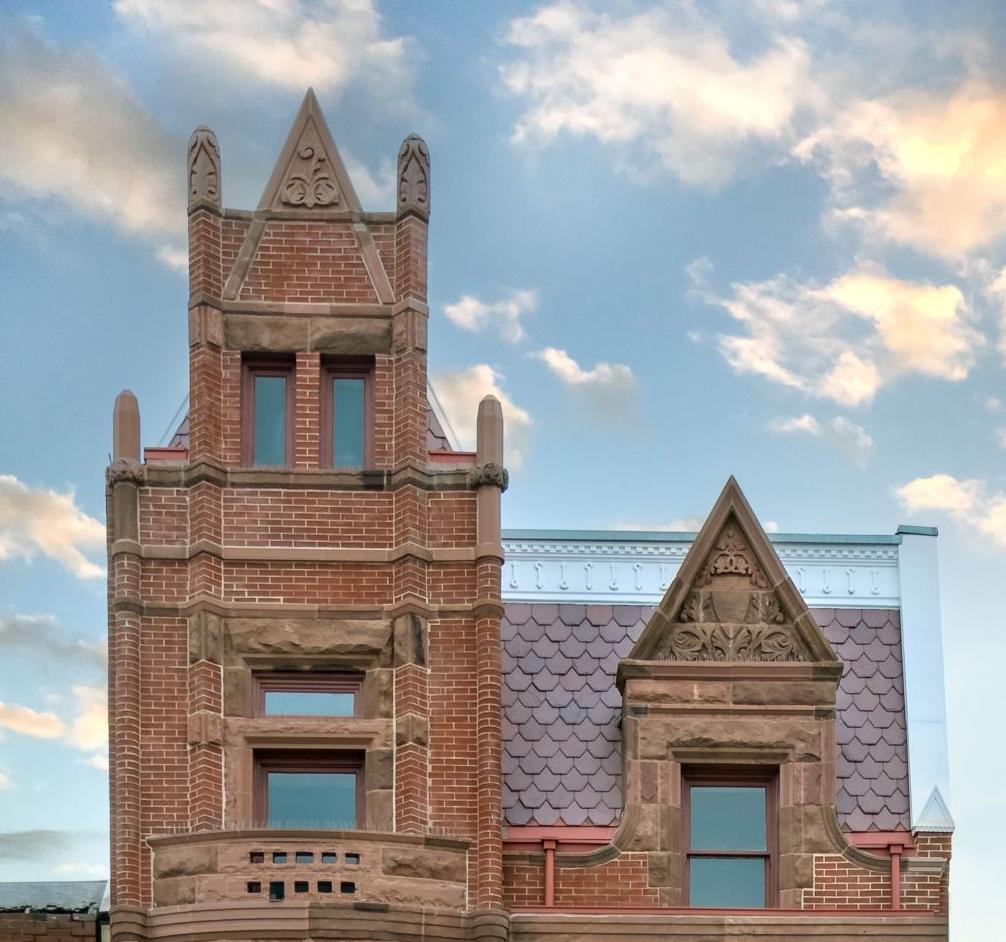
x=204, y=167
x=125, y=470
x=309, y=180
x=731, y=556
x=732, y=626
x=489, y=473
x=414, y=175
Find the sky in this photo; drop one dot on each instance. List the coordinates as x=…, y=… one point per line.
x=678, y=240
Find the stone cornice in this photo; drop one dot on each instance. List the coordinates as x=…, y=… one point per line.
x=197, y=472
x=322, y=554
x=271, y=835
x=829, y=574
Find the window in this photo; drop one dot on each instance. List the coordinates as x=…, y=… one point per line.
x=267, y=419
x=306, y=694
x=309, y=789
x=346, y=414
x=730, y=838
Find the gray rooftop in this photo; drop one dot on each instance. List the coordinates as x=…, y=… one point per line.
x=71, y=896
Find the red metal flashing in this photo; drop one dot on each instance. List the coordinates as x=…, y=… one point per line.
x=166, y=453
x=452, y=457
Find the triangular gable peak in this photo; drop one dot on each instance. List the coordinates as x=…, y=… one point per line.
x=732, y=599
x=309, y=173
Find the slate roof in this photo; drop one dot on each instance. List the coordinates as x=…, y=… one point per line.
x=562, y=743
x=75, y=896
x=436, y=438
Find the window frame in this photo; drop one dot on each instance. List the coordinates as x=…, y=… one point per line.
x=306, y=761
x=250, y=370
x=305, y=682
x=729, y=777
x=347, y=368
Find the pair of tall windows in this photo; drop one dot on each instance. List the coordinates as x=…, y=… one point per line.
x=269, y=413
x=308, y=788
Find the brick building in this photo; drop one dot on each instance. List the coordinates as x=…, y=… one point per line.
x=346, y=705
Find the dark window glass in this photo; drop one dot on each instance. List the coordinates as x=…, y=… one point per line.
x=270, y=420
x=311, y=799
x=727, y=882
x=309, y=703
x=347, y=423
x=277, y=890
x=728, y=818
x=728, y=852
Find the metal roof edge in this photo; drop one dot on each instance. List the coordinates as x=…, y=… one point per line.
x=910, y=529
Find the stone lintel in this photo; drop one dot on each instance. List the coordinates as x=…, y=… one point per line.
x=321, y=554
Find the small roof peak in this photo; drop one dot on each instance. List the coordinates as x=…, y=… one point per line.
x=310, y=171
x=935, y=815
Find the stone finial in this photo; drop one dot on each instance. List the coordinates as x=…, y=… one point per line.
x=489, y=446
x=204, y=167
x=126, y=427
x=414, y=177
x=489, y=432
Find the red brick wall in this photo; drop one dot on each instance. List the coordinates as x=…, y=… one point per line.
x=618, y=883
x=47, y=927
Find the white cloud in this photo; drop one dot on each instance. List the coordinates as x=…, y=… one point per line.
x=847, y=339
x=34, y=520
x=89, y=728
x=472, y=313
x=41, y=636
x=938, y=159
x=848, y=437
x=1000, y=436
x=289, y=44
x=376, y=189
x=98, y=761
x=678, y=524
x=29, y=722
x=608, y=386
x=73, y=132
x=969, y=502
x=663, y=86
x=460, y=391
x=5, y=782
x=798, y=423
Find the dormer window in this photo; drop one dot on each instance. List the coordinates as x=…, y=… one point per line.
x=268, y=414
x=346, y=414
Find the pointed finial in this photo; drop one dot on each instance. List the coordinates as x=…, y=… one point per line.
x=414, y=177
x=126, y=427
x=203, y=167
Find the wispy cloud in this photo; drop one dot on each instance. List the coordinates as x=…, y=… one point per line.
x=663, y=86
x=609, y=387
x=41, y=636
x=34, y=845
x=29, y=722
x=970, y=502
x=460, y=392
x=74, y=133
x=5, y=782
x=850, y=439
x=504, y=315
x=845, y=339
x=290, y=44
x=38, y=520
x=939, y=160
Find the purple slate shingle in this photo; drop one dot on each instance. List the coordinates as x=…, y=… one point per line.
x=562, y=760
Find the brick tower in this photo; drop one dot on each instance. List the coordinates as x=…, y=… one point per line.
x=304, y=600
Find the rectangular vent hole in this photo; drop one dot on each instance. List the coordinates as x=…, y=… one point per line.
x=347, y=887
x=324, y=886
x=352, y=859
x=329, y=856
x=254, y=886
x=277, y=890
x=256, y=856
x=304, y=857
x=279, y=856
x=301, y=886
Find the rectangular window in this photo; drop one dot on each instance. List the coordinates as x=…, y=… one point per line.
x=309, y=789
x=346, y=414
x=730, y=839
x=267, y=419
x=306, y=694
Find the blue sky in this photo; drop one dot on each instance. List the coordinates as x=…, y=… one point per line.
x=679, y=240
